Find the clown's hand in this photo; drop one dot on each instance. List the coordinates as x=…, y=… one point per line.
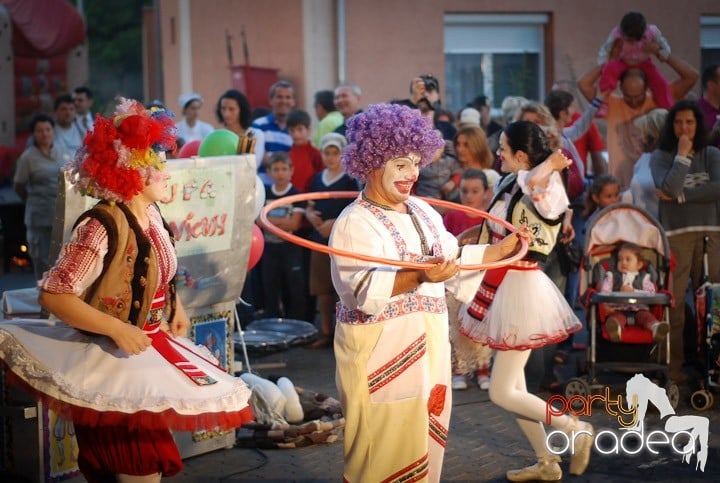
x=442, y=270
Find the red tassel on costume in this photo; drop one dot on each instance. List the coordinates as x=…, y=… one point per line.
x=436, y=401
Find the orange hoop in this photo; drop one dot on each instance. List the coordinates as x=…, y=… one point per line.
x=324, y=195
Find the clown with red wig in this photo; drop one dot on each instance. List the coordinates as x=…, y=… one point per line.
x=117, y=363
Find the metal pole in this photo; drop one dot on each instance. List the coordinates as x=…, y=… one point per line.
x=341, y=41
x=157, y=44
x=239, y=328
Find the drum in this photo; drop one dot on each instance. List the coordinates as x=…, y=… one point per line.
x=260, y=342
x=299, y=332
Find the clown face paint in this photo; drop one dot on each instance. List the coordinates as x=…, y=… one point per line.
x=156, y=183
x=398, y=178
x=156, y=187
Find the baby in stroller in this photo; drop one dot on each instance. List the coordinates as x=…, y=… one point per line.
x=610, y=230
x=631, y=273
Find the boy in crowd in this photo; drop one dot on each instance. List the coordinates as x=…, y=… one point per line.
x=283, y=276
x=467, y=356
x=306, y=158
x=68, y=136
x=322, y=214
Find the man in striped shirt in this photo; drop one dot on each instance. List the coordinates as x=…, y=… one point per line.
x=274, y=125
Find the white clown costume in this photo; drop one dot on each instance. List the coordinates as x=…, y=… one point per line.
x=393, y=353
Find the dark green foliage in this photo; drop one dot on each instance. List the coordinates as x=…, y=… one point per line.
x=114, y=29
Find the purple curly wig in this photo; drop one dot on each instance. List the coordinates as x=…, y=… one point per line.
x=384, y=132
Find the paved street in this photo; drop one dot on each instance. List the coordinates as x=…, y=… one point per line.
x=483, y=443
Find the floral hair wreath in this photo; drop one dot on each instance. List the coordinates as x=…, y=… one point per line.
x=120, y=152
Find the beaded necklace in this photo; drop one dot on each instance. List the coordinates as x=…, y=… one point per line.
x=375, y=203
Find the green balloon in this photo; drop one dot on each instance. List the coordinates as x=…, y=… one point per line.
x=219, y=143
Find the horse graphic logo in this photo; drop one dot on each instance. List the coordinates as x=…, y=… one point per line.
x=640, y=391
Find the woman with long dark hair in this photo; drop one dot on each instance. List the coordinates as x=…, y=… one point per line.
x=686, y=172
x=518, y=308
x=234, y=113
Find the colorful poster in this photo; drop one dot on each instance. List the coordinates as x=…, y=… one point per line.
x=200, y=208
x=213, y=335
x=210, y=206
x=213, y=328
x=60, y=449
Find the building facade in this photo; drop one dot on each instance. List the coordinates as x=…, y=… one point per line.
x=518, y=47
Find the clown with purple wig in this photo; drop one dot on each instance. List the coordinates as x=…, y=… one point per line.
x=391, y=339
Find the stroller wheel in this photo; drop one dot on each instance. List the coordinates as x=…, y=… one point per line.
x=576, y=387
x=701, y=400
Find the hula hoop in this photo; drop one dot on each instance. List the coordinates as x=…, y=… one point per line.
x=324, y=195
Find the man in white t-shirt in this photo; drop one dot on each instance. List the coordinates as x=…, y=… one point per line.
x=68, y=135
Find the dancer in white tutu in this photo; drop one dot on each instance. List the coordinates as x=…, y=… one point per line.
x=518, y=308
x=120, y=369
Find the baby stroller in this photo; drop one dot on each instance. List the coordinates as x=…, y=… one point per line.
x=707, y=311
x=636, y=352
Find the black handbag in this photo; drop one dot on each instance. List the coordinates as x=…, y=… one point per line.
x=569, y=256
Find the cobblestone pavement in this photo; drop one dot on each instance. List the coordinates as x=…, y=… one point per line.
x=484, y=442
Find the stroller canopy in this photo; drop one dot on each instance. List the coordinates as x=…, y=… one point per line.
x=626, y=222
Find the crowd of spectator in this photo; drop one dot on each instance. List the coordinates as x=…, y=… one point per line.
x=658, y=146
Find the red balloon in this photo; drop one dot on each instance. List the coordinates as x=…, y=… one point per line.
x=256, y=247
x=189, y=149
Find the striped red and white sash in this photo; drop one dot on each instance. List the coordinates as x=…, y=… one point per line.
x=491, y=282
x=163, y=343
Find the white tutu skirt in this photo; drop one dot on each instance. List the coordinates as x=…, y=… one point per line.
x=87, y=379
x=528, y=311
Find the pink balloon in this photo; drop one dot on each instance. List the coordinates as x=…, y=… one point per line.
x=256, y=247
x=189, y=149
